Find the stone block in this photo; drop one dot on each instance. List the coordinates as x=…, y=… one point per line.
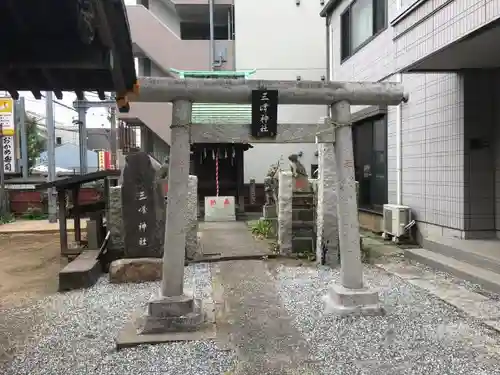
x=171, y=306
x=83, y=272
x=303, y=214
x=285, y=213
x=136, y=270
x=269, y=212
x=171, y=314
x=302, y=245
x=143, y=208
x=252, y=192
x=114, y=220
x=220, y=209
x=353, y=302
x=192, y=244
x=327, y=241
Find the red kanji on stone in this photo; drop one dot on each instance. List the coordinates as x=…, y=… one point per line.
x=212, y=202
x=226, y=201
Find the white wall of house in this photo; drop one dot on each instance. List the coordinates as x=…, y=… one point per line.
x=431, y=133
x=282, y=41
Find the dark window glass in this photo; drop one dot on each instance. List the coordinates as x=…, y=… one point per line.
x=361, y=21
x=314, y=171
x=370, y=162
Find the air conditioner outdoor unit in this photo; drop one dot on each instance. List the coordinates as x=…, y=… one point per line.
x=397, y=221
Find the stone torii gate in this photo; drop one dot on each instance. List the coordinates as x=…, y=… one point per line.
x=176, y=311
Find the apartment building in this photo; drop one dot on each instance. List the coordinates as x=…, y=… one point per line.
x=168, y=34
x=246, y=35
x=439, y=153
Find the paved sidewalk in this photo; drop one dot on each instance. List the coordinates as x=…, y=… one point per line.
x=37, y=226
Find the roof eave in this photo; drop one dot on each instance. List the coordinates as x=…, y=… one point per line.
x=330, y=6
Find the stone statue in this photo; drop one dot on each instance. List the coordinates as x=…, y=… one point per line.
x=162, y=173
x=299, y=173
x=271, y=185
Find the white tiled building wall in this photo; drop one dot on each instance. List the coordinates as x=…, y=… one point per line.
x=432, y=133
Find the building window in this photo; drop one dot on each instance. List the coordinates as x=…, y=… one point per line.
x=370, y=162
x=201, y=31
x=362, y=20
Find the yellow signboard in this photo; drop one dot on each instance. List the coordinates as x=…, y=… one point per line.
x=7, y=126
x=6, y=105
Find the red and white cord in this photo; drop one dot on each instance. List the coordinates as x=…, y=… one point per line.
x=217, y=173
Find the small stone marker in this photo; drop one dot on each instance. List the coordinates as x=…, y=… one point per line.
x=139, y=206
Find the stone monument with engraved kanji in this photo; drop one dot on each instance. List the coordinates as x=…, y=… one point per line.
x=143, y=208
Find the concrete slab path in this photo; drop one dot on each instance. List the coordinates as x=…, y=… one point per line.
x=250, y=317
x=230, y=241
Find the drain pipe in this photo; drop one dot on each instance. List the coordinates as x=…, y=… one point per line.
x=328, y=59
x=211, y=53
x=399, y=125
x=399, y=169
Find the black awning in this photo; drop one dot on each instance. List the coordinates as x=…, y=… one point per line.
x=72, y=45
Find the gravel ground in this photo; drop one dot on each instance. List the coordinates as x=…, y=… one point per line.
x=419, y=335
x=77, y=334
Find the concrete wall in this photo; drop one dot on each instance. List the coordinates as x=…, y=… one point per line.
x=290, y=43
x=432, y=135
x=167, y=15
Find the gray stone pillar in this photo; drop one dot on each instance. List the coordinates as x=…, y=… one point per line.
x=285, y=192
x=177, y=195
x=115, y=220
x=350, y=297
x=327, y=245
x=252, y=198
x=175, y=311
x=192, y=245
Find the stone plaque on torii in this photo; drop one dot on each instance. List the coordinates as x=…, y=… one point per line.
x=176, y=311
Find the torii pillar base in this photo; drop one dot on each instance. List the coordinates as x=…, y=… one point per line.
x=171, y=314
x=345, y=302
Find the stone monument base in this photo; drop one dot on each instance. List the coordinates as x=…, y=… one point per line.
x=343, y=302
x=269, y=212
x=171, y=314
x=170, y=320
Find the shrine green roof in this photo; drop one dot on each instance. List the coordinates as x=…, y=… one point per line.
x=207, y=113
x=213, y=74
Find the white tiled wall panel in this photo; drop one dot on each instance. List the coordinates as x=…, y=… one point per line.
x=436, y=24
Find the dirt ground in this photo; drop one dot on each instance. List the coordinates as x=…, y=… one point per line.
x=29, y=266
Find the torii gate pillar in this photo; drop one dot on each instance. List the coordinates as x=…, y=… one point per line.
x=349, y=297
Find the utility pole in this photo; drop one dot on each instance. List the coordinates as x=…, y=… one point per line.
x=82, y=129
x=51, y=156
x=24, y=136
x=113, y=140
x=81, y=107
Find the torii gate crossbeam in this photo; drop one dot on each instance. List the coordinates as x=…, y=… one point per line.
x=239, y=91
